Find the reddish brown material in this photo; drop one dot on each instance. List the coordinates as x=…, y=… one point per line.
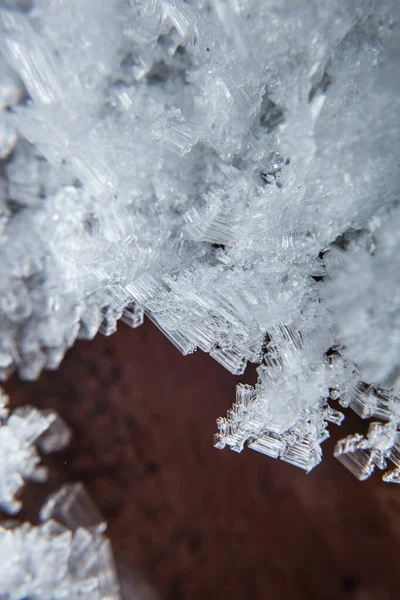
x=195, y=522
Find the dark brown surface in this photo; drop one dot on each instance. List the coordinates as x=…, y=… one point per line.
x=196, y=522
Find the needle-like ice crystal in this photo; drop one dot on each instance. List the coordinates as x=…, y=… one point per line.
x=228, y=168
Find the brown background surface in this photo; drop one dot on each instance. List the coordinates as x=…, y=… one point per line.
x=198, y=523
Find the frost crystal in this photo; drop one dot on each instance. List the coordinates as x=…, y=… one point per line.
x=20, y=431
x=228, y=169
x=362, y=454
x=64, y=557
x=279, y=417
x=67, y=556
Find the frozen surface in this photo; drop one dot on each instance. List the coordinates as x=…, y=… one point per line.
x=228, y=168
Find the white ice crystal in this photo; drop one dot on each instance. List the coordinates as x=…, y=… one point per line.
x=228, y=168
x=381, y=446
x=66, y=557
x=21, y=431
x=279, y=416
x=364, y=295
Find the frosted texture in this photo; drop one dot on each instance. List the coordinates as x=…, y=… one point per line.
x=21, y=431
x=228, y=168
x=59, y=558
x=362, y=454
x=381, y=446
x=67, y=556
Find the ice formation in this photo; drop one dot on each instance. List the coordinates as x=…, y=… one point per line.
x=228, y=168
x=66, y=556
x=21, y=431
x=361, y=454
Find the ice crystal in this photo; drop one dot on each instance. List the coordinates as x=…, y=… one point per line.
x=228, y=169
x=364, y=296
x=20, y=432
x=361, y=454
x=66, y=556
x=279, y=417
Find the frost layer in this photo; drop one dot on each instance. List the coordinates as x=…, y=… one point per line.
x=228, y=168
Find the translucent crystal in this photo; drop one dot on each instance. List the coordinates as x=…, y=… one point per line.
x=66, y=556
x=200, y=163
x=354, y=454
x=20, y=430
x=24, y=52
x=372, y=401
x=72, y=507
x=132, y=315
x=362, y=454
x=55, y=561
x=57, y=435
x=296, y=438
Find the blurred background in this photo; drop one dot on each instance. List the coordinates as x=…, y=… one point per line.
x=188, y=521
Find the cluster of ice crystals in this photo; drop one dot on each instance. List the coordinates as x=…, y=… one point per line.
x=364, y=295
x=21, y=431
x=66, y=556
x=381, y=446
x=362, y=454
x=279, y=416
x=228, y=168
